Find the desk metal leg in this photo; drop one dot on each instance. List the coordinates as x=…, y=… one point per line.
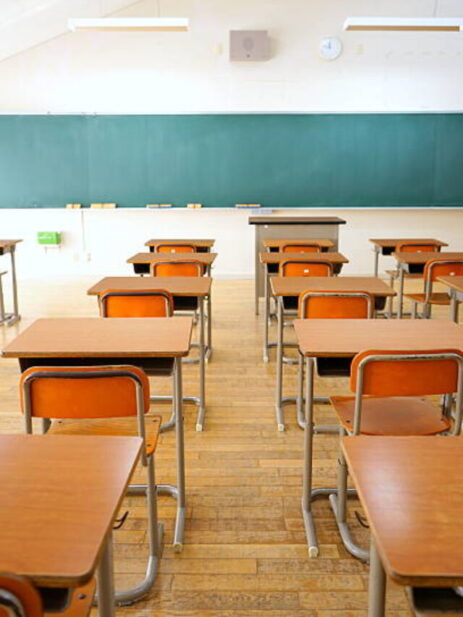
x=209, y=327
x=453, y=305
x=310, y=532
x=177, y=492
x=266, y=314
x=376, y=260
x=202, y=372
x=376, y=585
x=15, y=286
x=279, y=368
x=180, y=518
x=400, y=299
x=105, y=579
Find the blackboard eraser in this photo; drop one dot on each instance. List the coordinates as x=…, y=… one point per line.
x=194, y=206
x=247, y=206
x=73, y=206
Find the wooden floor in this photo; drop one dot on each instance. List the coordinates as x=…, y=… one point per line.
x=245, y=553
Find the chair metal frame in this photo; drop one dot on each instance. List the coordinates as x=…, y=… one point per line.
x=199, y=401
x=338, y=495
x=396, y=274
x=280, y=400
x=428, y=285
x=155, y=528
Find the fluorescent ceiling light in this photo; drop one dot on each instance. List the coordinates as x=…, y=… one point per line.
x=156, y=24
x=405, y=24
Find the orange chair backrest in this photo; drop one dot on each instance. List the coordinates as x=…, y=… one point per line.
x=107, y=391
x=305, y=267
x=408, y=373
x=16, y=592
x=442, y=267
x=175, y=248
x=417, y=247
x=336, y=305
x=130, y=303
x=190, y=267
x=301, y=248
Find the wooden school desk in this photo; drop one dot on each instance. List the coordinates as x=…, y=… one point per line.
x=201, y=245
x=410, y=488
x=414, y=263
x=9, y=246
x=289, y=286
x=455, y=285
x=142, y=261
x=181, y=287
x=387, y=246
x=344, y=338
x=154, y=344
x=271, y=226
x=271, y=262
x=47, y=532
x=277, y=244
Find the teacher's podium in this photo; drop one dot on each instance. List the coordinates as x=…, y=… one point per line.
x=290, y=227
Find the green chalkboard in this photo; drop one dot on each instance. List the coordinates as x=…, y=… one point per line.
x=331, y=160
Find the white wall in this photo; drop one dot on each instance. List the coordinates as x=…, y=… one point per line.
x=149, y=72
x=99, y=242
x=189, y=72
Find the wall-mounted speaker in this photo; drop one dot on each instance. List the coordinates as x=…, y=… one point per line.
x=249, y=45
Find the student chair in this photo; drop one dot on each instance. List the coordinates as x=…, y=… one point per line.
x=100, y=400
x=433, y=269
x=20, y=598
x=305, y=267
x=143, y=303
x=389, y=399
x=131, y=303
x=409, y=247
x=301, y=248
x=184, y=267
x=298, y=267
x=175, y=248
x=330, y=305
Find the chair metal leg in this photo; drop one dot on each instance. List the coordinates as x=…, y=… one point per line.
x=155, y=542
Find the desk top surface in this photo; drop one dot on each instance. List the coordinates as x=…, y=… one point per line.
x=8, y=243
x=97, y=337
x=412, y=493
x=149, y=258
x=200, y=242
x=347, y=337
x=48, y=531
x=393, y=242
x=275, y=258
x=195, y=286
x=424, y=256
x=295, y=285
x=295, y=220
x=281, y=242
x=454, y=282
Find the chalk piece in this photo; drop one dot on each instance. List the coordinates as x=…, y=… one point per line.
x=108, y=205
x=96, y=206
x=194, y=205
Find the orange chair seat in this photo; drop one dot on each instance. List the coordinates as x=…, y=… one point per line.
x=435, y=298
x=80, y=602
x=395, y=274
x=392, y=416
x=119, y=427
